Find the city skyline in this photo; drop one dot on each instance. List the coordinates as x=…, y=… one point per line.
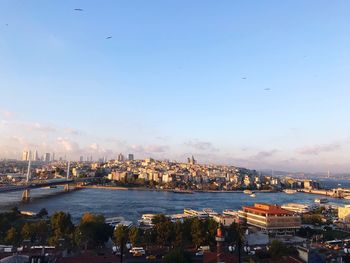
x=256, y=85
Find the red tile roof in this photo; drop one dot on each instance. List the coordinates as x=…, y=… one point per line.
x=267, y=209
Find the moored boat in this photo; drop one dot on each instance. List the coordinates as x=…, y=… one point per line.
x=321, y=200
x=290, y=191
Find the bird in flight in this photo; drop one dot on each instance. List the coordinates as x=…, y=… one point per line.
x=6, y=24
x=108, y=37
x=78, y=9
x=267, y=89
x=244, y=78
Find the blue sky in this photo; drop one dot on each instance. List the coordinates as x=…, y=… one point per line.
x=178, y=78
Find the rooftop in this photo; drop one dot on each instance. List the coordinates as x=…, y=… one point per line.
x=267, y=209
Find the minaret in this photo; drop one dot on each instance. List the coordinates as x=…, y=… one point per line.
x=220, y=239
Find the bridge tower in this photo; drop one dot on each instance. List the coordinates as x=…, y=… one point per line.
x=66, y=186
x=28, y=172
x=26, y=195
x=26, y=192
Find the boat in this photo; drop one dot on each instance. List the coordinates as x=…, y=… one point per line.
x=230, y=212
x=146, y=220
x=321, y=200
x=210, y=212
x=347, y=197
x=248, y=192
x=297, y=208
x=179, y=217
x=194, y=213
x=113, y=221
x=290, y=191
x=253, y=195
x=180, y=191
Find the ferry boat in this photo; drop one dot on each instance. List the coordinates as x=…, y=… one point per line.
x=113, y=221
x=290, y=191
x=297, y=208
x=146, y=220
x=321, y=200
x=179, y=191
x=210, y=212
x=199, y=214
x=179, y=217
x=230, y=212
x=248, y=192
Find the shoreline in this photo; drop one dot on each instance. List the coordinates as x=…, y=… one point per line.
x=123, y=188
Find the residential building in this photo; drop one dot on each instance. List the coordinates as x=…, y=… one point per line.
x=121, y=157
x=47, y=157
x=25, y=155
x=344, y=213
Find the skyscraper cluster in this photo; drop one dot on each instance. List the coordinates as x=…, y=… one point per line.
x=34, y=156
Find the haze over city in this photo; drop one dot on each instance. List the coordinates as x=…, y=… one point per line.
x=259, y=85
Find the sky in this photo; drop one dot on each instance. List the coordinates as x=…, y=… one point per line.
x=258, y=84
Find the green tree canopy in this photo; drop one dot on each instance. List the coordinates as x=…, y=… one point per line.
x=177, y=255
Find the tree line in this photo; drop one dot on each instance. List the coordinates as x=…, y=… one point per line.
x=92, y=231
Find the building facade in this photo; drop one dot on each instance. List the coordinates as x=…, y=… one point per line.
x=271, y=218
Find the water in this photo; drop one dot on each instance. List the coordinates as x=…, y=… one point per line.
x=132, y=204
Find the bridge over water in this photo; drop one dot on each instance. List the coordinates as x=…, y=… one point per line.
x=41, y=184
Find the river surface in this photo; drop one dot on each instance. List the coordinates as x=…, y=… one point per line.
x=131, y=204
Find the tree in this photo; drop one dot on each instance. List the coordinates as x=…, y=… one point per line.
x=134, y=236
x=42, y=232
x=177, y=255
x=149, y=236
x=235, y=236
x=178, y=235
x=278, y=249
x=92, y=231
x=120, y=235
x=197, y=232
x=164, y=230
x=42, y=213
x=12, y=237
x=210, y=226
x=62, y=228
x=28, y=232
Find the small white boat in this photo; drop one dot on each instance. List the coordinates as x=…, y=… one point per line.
x=321, y=200
x=252, y=195
x=290, y=191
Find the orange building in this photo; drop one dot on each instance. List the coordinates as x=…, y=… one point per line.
x=271, y=218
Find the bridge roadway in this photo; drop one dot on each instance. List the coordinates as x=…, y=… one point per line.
x=29, y=186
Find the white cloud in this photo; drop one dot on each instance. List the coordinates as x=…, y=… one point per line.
x=318, y=149
x=201, y=145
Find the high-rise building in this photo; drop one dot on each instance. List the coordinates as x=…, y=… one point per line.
x=120, y=157
x=81, y=158
x=35, y=156
x=53, y=157
x=130, y=157
x=25, y=156
x=47, y=157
